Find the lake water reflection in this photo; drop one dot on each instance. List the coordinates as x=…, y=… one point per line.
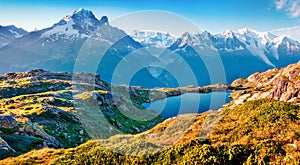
x=189, y=103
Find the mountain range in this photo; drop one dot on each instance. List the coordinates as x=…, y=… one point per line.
x=161, y=59
x=153, y=38
x=10, y=33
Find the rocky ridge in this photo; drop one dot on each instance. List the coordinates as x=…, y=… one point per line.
x=278, y=84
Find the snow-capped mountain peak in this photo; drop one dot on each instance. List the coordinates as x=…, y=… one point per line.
x=80, y=23
x=290, y=43
x=10, y=33
x=259, y=43
x=247, y=31
x=83, y=16
x=263, y=45
x=263, y=37
x=153, y=38
x=13, y=30
x=80, y=16
x=228, y=34
x=269, y=35
x=17, y=32
x=186, y=39
x=79, y=10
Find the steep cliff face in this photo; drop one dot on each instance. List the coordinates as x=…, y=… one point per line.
x=279, y=84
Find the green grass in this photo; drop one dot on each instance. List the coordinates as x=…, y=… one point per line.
x=257, y=132
x=46, y=100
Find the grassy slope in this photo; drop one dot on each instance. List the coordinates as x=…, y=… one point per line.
x=43, y=101
x=67, y=112
x=257, y=132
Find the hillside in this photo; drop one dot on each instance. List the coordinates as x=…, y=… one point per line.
x=279, y=84
x=258, y=132
x=41, y=109
x=38, y=109
x=261, y=130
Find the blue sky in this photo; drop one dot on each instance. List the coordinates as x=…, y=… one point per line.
x=211, y=15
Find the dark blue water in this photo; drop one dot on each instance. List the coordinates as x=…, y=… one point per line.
x=189, y=103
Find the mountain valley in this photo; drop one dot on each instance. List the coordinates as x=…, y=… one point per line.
x=252, y=131
x=76, y=93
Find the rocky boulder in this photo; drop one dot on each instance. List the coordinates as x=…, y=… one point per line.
x=8, y=122
x=35, y=130
x=279, y=84
x=5, y=146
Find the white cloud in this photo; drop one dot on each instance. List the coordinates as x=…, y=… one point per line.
x=279, y=4
x=291, y=7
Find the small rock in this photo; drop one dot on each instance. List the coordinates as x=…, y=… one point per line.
x=95, y=95
x=135, y=128
x=52, y=100
x=82, y=140
x=5, y=146
x=81, y=132
x=10, y=101
x=8, y=122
